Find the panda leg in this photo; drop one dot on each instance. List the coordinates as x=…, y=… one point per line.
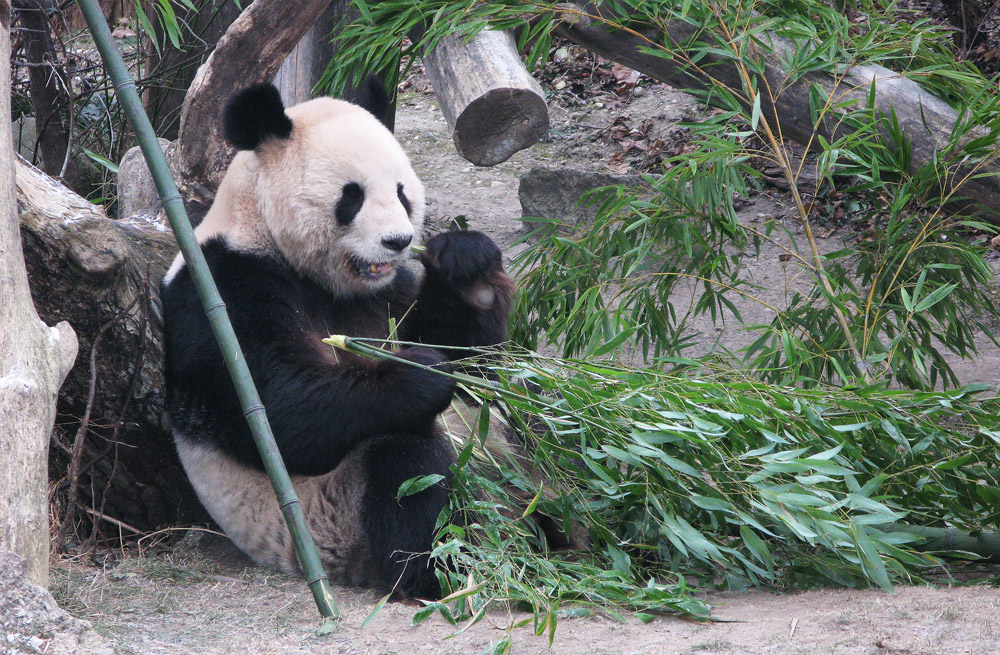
x=400, y=532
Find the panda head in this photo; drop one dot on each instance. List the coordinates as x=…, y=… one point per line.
x=329, y=187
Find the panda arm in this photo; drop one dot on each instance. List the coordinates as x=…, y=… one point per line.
x=319, y=405
x=465, y=296
x=320, y=409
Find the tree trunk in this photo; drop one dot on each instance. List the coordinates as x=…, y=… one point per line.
x=34, y=360
x=967, y=17
x=50, y=95
x=305, y=65
x=172, y=69
x=924, y=119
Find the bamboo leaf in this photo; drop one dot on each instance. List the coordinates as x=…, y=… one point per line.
x=417, y=484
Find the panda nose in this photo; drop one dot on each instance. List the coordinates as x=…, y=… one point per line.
x=397, y=241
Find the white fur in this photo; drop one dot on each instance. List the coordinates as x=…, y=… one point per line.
x=175, y=268
x=241, y=500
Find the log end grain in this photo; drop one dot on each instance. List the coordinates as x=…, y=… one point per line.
x=499, y=123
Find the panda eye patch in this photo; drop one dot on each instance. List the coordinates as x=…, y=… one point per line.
x=403, y=199
x=352, y=196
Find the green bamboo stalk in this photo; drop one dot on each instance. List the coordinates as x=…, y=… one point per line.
x=215, y=309
x=984, y=544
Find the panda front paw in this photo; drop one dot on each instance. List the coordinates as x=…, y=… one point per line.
x=430, y=392
x=470, y=263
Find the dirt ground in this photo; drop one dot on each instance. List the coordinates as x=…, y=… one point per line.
x=211, y=601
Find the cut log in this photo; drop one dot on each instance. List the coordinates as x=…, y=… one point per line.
x=492, y=104
x=925, y=119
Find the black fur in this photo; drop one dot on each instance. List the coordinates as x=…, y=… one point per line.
x=318, y=409
x=375, y=98
x=352, y=197
x=403, y=200
x=253, y=115
x=453, y=262
x=322, y=406
x=401, y=531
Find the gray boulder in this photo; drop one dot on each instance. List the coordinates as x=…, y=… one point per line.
x=555, y=193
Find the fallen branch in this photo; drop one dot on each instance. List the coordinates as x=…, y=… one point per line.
x=926, y=120
x=984, y=544
x=113, y=521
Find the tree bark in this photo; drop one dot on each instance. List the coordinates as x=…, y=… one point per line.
x=925, y=119
x=113, y=454
x=50, y=95
x=492, y=104
x=307, y=62
x=173, y=69
x=251, y=51
x=34, y=360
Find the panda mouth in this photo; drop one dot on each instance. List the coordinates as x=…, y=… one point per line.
x=371, y=270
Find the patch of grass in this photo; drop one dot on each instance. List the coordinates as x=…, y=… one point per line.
x=158, y=569
x=717, y=646
x=950, y=614
x=63, y=586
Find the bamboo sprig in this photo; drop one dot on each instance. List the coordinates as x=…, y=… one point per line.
x=491, y=390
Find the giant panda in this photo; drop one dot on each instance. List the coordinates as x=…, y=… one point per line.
x=309, y=235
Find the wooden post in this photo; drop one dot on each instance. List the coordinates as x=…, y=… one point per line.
x=492, y=104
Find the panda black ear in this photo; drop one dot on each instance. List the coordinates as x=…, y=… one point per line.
x=255, y=114
x=374, y=97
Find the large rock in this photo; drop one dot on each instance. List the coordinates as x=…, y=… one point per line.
x=137, y=195
x=31, y=622
x=138, y=198
x=555, y=193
